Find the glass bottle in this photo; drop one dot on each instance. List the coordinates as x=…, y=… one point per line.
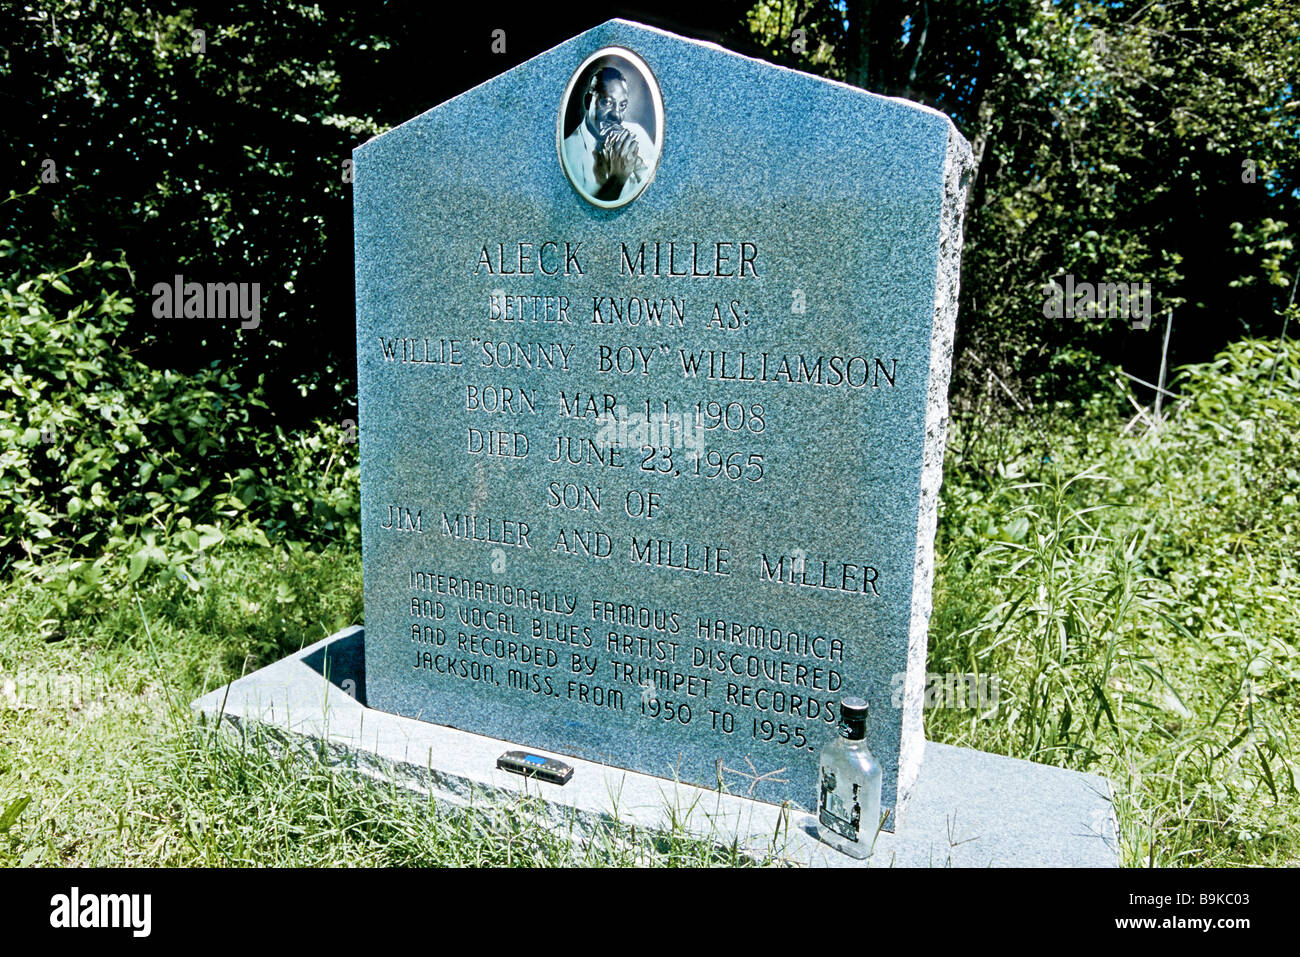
x=848, y=803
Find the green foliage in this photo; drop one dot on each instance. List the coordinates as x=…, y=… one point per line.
x=111, y=769
x=206, y=140
x=224, y=155
x=220, y=784
x=1114, y=142
x=1135, y=594
x=772, y=25
x=110, y=468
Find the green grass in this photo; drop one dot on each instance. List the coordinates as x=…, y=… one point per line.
x=249, y=798
x=88, y=729
x=105, y=765
x=1134, y=594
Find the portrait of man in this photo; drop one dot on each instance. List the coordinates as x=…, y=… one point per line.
x=611, y=126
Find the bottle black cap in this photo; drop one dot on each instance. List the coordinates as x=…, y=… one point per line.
x=853, y=718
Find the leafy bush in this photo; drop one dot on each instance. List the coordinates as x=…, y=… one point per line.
x=1134, y=591
x=109, y=467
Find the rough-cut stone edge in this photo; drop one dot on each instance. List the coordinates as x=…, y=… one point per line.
x=958, y=164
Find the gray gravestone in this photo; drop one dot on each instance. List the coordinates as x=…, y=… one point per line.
x=651, y=437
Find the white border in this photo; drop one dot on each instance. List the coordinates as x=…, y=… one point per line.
x=657, y=104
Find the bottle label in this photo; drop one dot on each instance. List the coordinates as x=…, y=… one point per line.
x=839, y=808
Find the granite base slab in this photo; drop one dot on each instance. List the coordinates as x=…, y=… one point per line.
x=969, y=808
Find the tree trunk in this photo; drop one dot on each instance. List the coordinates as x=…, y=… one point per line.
x=980, y=142
x=858, y=42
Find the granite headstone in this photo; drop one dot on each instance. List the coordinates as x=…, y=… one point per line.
x=653, y=349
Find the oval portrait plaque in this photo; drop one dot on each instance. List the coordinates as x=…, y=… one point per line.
x=611, y=127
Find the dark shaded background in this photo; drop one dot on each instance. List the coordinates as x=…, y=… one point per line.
x=226, y=165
